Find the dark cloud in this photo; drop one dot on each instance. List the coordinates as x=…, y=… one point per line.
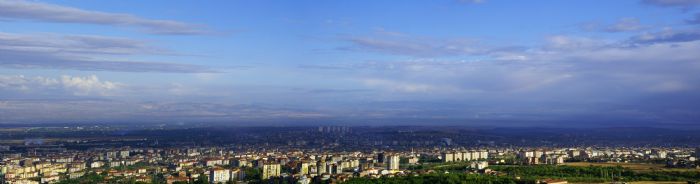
x=695, y=20
x=33, y=60
x=567, y=78
x=628, y=24
x=336, y=91
x=624, y=25
x=76, y=44
x=471, y=1
x=667, y=36
x=79, y=52
x=31, y=10
x=85, y=110
x=417, y=48
x=425, y=47
x=673, y=3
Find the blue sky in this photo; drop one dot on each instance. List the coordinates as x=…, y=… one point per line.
x=444, y=62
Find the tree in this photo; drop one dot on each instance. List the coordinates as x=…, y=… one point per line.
x=201, y=179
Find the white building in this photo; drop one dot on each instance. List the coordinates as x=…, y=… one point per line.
x=394, y=162
x=271, y=170
x=219, y=175
x=448, y=157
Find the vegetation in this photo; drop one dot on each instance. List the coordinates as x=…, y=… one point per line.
x=201, y=179
x=529, y=174
x=594, y=173
x=454, y=173
x=252, y=174
x=87, y=178
x=440, y=178
x=429, y=159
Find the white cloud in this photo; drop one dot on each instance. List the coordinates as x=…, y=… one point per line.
x=72, y=85
x=88, y=85
x=399, y=86
x=20, y=82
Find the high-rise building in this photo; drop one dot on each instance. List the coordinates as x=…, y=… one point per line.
x=321, y=167
x=241, y=162
x=331, y=169
x=381, y=157
x=271, y=170
x=394, y=162
x=458, y=157
x=483, y=155
x=448, y=157
x=659, y=153
x=473, y=155
x=466, y=155
x=304, y=167
x=335, y=168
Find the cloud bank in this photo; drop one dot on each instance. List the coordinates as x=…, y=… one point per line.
x=83, y=52
x=32, y=10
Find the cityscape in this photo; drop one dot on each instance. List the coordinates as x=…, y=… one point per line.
x=343, y=154
x=350, y=92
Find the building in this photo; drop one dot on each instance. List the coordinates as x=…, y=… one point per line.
x=393, y=162
x=124, y=153
x=552, y=159
x=483, y=155
x=458, y=157
x=173, y=179
x=304, y=168
x=321, y=168
x=413, y=160
x=335, y=169
x=241, y=162
x=381, y=157
x=448, y=157
x=96, y=164
x=271, y=170
x=237, y=174
x=219, y=175
x=213, y=162
x=573, y=153
x=50, y=179
x=479, y=165
x=659, y=153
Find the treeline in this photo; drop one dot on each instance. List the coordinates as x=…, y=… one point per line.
x=595, y=173
x=529, y=174
x=440, y=178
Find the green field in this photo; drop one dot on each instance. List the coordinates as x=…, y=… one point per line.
x=640, y=167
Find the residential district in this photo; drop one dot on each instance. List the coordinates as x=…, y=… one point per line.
x=221, y=165
x=305, y=155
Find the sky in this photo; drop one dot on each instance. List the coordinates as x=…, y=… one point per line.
x=573, y=63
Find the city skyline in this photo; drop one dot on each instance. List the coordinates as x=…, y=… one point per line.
x=445, y=62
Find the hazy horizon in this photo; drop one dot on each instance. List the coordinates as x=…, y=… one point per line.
x=479, y=63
